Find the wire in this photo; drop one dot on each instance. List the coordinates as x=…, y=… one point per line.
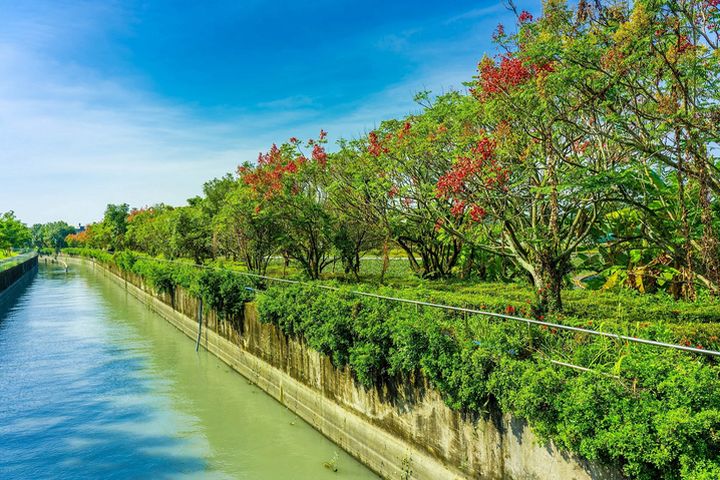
x=529, y=321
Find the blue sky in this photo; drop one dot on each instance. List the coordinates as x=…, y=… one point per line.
x=142, y=101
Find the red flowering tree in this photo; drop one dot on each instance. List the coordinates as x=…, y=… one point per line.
x=289, y=181
x=79, y=239
x=530, y=179
x=391, y=176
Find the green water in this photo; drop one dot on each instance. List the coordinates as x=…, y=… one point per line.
x=94, y=385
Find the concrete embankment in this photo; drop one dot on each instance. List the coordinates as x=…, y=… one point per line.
x=401, y=431
x=9, y=276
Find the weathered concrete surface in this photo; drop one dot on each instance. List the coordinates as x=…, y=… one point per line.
x=13, y=274
x=400, y=431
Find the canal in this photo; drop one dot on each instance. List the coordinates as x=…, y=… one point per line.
x=95, y=385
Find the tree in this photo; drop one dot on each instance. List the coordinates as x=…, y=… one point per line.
x=51, y=235
x=116, y=222
x=650, y=72
x=392, y=175
x=244, y=231
x=13, y=233
x=190, y=233
x=216, y=191
x=539, y=170
x=291, y=185
x=149, y=230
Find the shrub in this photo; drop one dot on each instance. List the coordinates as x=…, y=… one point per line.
x=225, y=292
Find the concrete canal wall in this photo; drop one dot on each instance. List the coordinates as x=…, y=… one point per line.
x=9, y=276
x=402, y=431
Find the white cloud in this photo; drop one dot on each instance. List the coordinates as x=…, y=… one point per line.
x=70, y=144
x=295, y=101
x=477, y=13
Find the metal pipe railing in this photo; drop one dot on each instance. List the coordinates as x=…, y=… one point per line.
x=472, y=311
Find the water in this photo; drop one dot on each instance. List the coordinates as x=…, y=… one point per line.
x=94, y=385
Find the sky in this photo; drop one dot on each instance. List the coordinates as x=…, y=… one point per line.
x=141, y=102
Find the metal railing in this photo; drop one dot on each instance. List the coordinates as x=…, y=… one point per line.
x=527, y=321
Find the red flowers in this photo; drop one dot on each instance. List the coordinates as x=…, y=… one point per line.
x=525, y=17
x=453, y=182
x=684, y=44
x=458, y=208
x=485, y=148
x=477, y=213
x=404, y=132
x=469, y=175
x=374, y=147
x=510, y=72
x=277, y=169
x=319, y=154
x=497, y=78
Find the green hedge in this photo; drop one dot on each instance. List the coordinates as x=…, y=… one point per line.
x=224, y=291
x=659, y=419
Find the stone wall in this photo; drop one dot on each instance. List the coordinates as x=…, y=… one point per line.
x=401, y=431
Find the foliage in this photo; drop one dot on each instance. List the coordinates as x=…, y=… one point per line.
x=190, y=234
x=656, y=420
x=224, y=291
x=115, y=220
x=244, y=231
x=13, y=233
x=53, y=235
x=149, y=230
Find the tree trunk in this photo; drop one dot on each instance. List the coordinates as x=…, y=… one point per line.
x=548, y=278
x=709, y=241
x=687, y=288
x=386, y=260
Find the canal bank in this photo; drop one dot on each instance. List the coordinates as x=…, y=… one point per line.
x=401, y=431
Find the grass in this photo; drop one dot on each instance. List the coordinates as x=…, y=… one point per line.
x=9, y=260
